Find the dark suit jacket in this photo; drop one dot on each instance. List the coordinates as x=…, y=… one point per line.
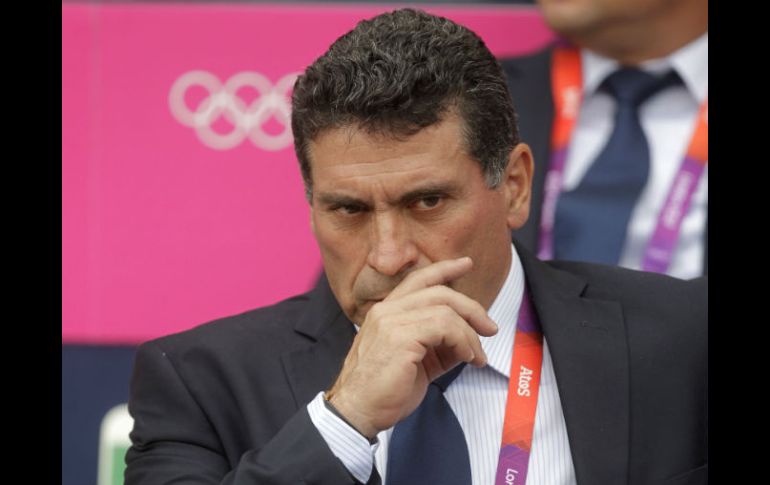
x=529, y=81
x=225, y=402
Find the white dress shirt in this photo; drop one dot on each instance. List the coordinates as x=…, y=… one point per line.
x=668, y=120
x=478, y=398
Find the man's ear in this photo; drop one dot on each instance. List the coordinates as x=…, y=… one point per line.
x=517, y=184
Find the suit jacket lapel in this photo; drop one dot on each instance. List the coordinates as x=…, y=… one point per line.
x=587, y=341
x=328, y=333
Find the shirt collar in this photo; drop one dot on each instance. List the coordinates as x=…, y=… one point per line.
x=690, y=62
x=504, y=312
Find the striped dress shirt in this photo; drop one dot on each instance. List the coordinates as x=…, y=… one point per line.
x=478, y=398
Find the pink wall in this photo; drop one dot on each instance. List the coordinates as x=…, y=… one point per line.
x=165, y=226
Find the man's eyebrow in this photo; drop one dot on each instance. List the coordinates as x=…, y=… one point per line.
x=429, y=191
x=338, y=200
x=332, y=199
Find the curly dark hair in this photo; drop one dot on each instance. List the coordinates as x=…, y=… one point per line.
x=399, y=72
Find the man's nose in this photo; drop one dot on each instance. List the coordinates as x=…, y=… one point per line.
x=392, y=249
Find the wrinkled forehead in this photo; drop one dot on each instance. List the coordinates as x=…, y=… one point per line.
x=357, y=164
x=387, y=134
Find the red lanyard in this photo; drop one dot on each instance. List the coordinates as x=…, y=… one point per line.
x=523, y=388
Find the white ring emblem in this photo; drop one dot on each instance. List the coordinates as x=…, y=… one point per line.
x=223, y=100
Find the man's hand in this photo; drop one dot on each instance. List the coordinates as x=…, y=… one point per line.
x=419, y=332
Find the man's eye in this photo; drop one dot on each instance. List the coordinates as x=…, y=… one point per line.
x=428, y=202
x=348, y=209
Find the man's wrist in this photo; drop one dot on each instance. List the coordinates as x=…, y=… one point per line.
x=348, y=445
x=333, y=409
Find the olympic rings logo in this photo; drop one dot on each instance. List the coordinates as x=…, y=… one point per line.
x=223, y=100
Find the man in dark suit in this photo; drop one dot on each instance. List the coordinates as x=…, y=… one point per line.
x=655, y=37
x=415, y=176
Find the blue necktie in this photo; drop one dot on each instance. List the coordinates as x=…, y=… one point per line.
x=591, y=220
x=428, y=447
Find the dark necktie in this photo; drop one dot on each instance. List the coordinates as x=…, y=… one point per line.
x=428, y=447
x=591, y=220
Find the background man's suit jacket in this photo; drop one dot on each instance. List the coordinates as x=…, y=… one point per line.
x=529, y=81
x=225, y=402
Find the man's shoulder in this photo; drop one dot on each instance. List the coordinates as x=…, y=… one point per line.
x=624, y=281
x=640, y=290
x=266, y=326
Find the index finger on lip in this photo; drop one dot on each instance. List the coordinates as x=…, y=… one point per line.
x=437, y=273
x=470, y=310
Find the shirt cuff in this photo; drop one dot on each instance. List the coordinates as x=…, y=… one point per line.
x=347, y=444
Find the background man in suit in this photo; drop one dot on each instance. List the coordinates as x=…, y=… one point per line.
x=415, y=177
x=620, y=174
